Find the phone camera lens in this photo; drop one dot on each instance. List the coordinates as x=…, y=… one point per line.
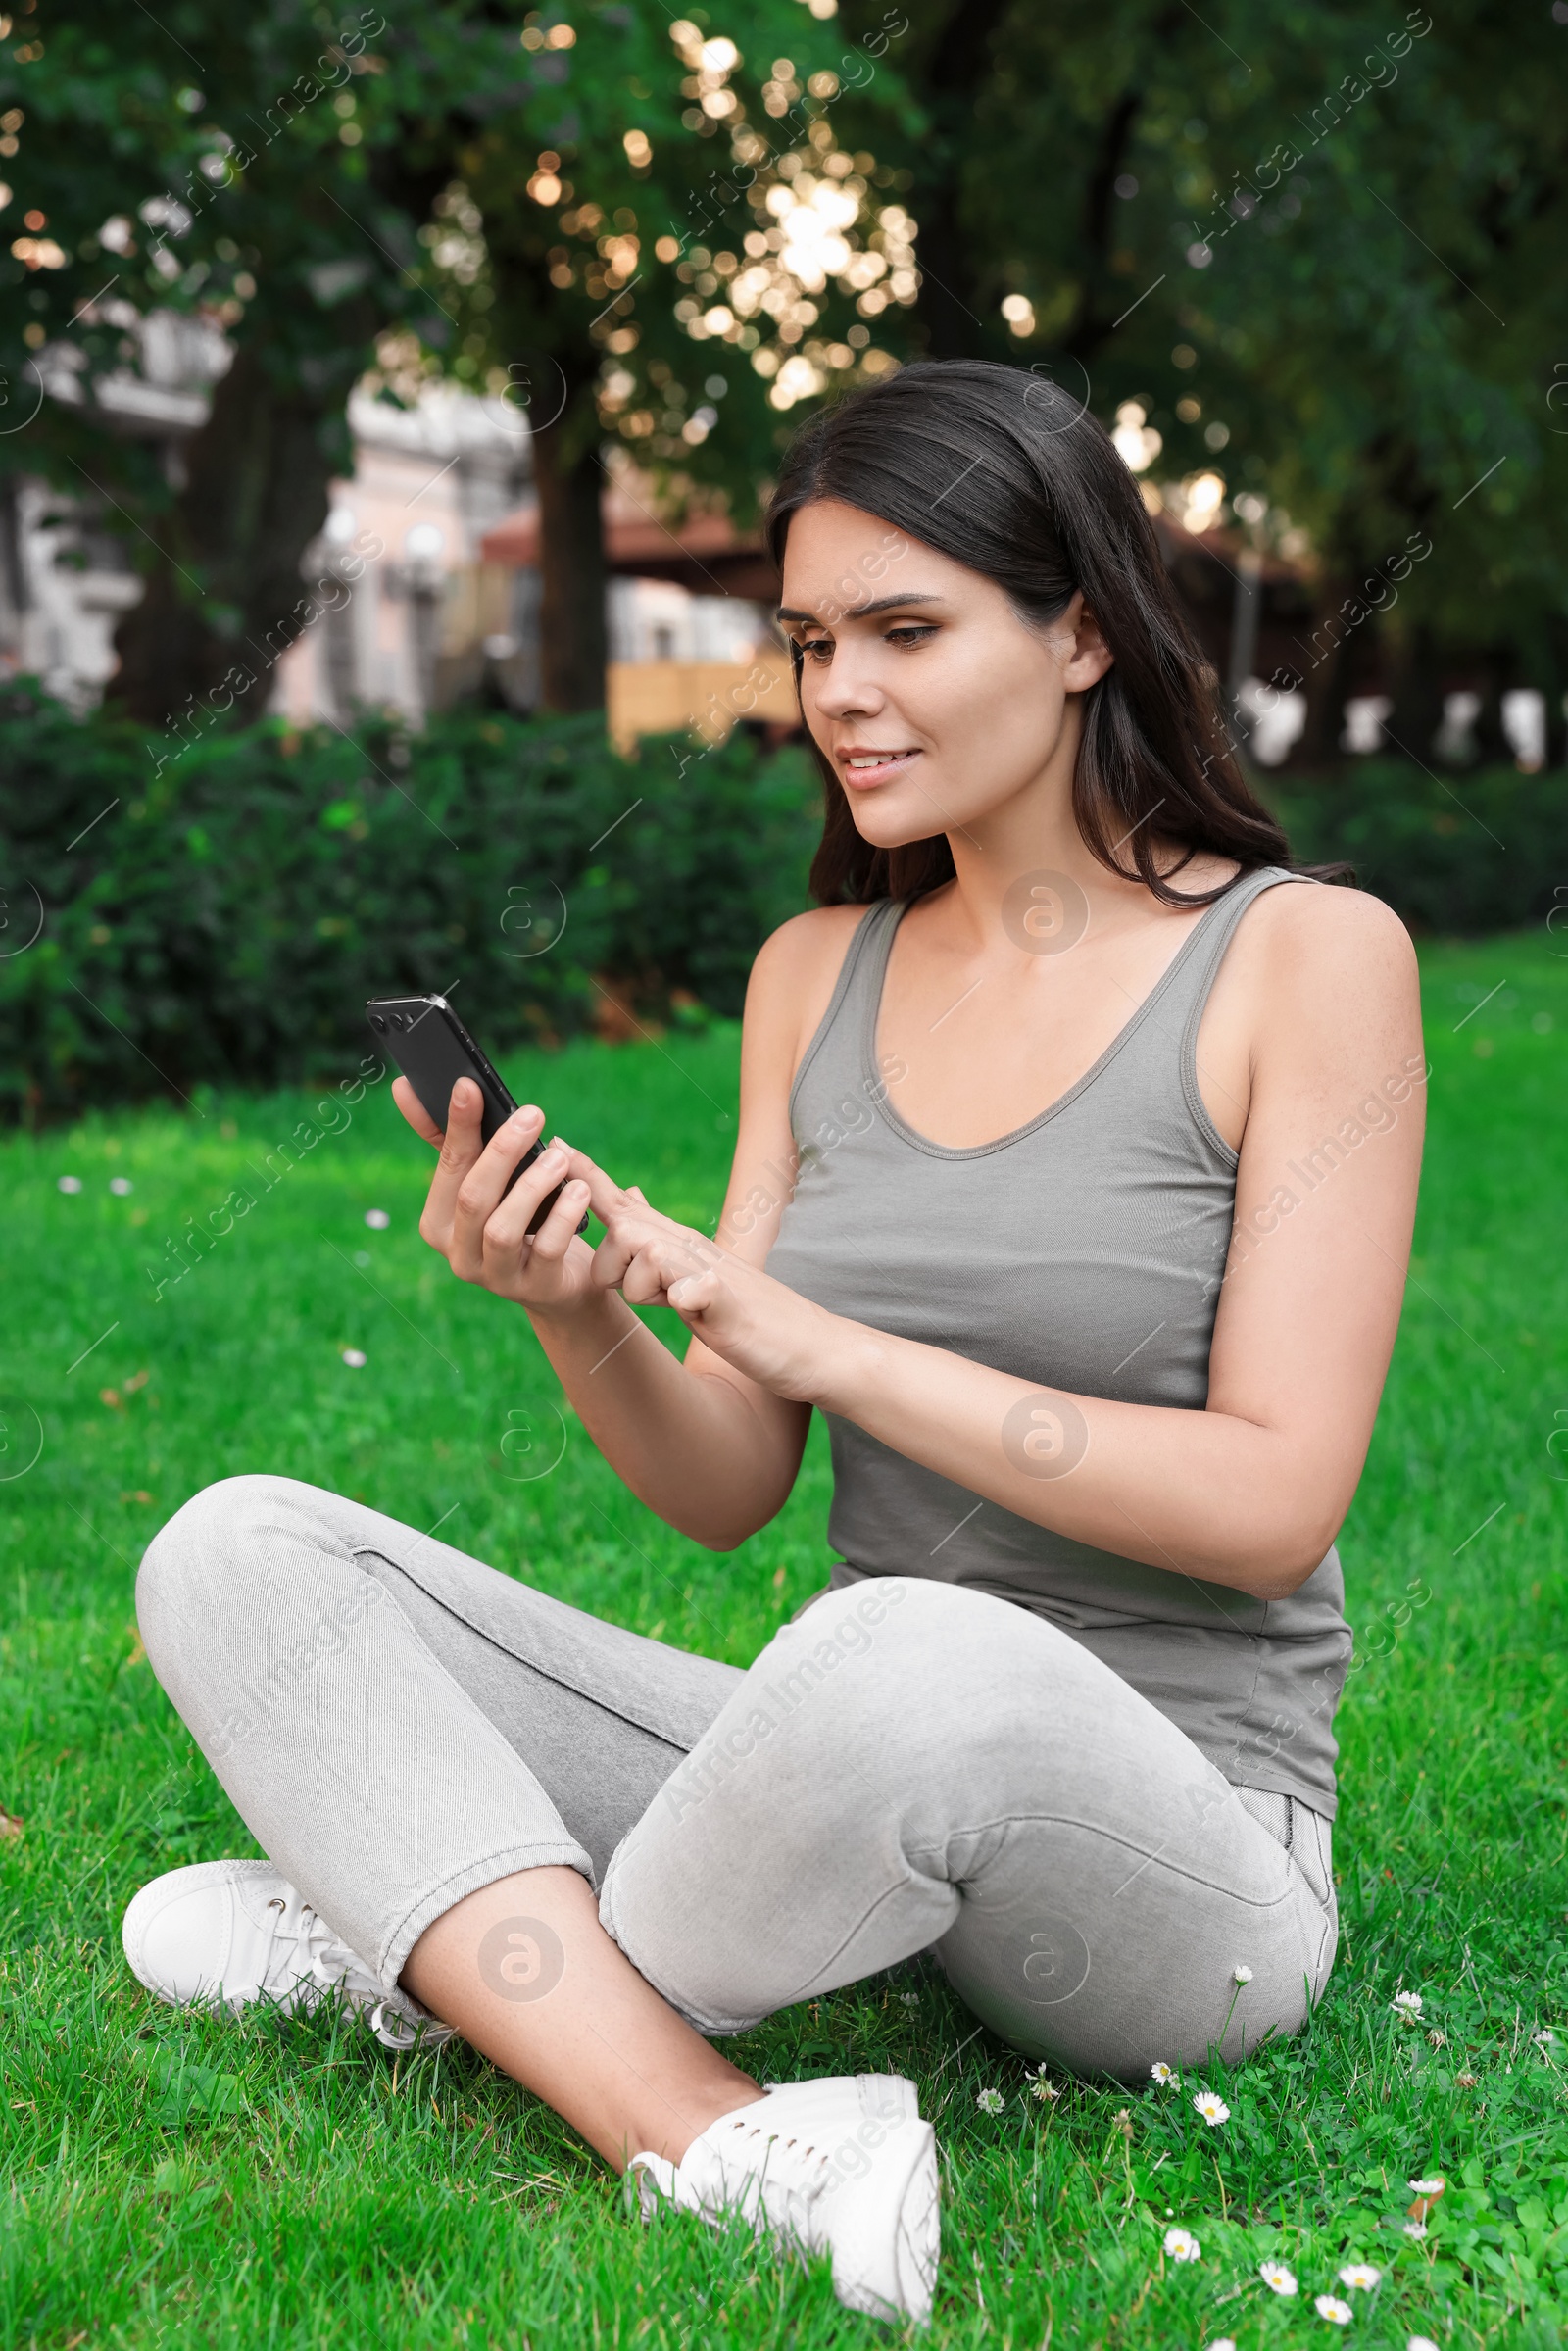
x=379, y=1020
x=400, y=1020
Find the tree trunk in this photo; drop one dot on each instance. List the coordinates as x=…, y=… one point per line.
x=1492, y=747
x=225, y=598
x=573, y=646
x=960, y=62
x=1327, y=684
x=1415, y=688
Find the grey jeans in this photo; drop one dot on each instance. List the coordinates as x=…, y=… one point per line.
x=907, y=1766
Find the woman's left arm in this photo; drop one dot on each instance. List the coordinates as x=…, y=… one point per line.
x=1252, y=1490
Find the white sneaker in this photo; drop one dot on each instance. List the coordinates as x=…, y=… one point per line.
x=843, y=2166
x=223, y=1933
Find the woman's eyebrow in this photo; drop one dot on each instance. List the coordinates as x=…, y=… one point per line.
x=864, y=611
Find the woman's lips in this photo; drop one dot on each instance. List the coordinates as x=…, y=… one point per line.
x=877, y=773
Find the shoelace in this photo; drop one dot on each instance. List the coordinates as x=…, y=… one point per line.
x=798, y=2170
x=325, y=1965
x=319, y=1960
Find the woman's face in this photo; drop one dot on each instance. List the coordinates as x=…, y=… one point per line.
x=935, y=703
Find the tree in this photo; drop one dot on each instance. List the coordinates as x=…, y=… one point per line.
x=303, y=185
x=205, y=163
x=1318, y=247
x=633, y=214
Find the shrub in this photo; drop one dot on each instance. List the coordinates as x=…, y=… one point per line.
x=1460, y=855
x=223, y=919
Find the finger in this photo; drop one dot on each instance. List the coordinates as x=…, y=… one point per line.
x=414, y=1112
x=460, y=1145
x=694, y=1293
x=554, y=1237
x=482, y=1188
x=632, y=1231
x=512, y=1212
x=661, y=1259
x=646, y=1280
x=605, y=1195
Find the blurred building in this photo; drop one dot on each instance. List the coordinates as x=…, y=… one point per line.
x=435, y=536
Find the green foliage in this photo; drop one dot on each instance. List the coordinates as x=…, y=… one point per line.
x=221, y=918
x=218, y=917
x=1476, y=852
x=301, y=178
x=1328, y=229
x=430, y=2204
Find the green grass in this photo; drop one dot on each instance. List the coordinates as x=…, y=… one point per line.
x=177, y=2180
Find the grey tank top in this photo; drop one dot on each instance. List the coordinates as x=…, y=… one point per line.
x=1083, y=1251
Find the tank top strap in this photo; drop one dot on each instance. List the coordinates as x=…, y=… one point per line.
x=855, y=997
x=1194, y=980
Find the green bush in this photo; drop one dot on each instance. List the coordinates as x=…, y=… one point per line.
x=1458, y=854
x=221, y=918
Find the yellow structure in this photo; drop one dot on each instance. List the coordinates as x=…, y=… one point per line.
x=664, y=698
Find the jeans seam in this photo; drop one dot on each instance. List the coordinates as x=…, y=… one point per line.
x=1110, y=1837
x=507, y=1649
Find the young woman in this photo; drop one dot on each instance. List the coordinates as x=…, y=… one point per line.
x=1073, y=1186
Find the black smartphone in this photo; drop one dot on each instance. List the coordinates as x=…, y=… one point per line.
x=433, y=1049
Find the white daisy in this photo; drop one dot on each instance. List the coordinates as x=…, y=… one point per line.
x=991, y=2101
x=1166, y=2076
x=1277, y=2276
x=377, y=1219
x=1223, y=2342
x=1407, y=2003
x=1420, y=2342
x=1213, y=2110
x=1416, y=2228
x=1360, y=2277
x=121, y=1185
x=353, y=1357
x=910, y=1999
x=1242, y=1974
x=1427, y=2188
x=68, y=1183
x=1330, y=2307
x=1182, y=2245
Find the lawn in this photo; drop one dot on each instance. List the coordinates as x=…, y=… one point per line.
x=173, y=2179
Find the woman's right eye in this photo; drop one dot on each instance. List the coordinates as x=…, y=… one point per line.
x=814, y=646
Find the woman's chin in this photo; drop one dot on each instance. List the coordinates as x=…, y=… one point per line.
x=888, y=826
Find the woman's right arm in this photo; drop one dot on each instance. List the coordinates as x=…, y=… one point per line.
x=712, y=1452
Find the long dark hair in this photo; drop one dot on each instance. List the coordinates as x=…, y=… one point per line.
x=1043, y=505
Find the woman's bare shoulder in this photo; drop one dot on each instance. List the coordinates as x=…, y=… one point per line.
x=1326, y=971
x=1312, y=929
x=793, y=980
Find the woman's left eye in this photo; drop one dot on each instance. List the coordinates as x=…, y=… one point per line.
x=911, y=632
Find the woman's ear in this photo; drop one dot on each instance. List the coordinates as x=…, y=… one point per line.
x=1092, y=657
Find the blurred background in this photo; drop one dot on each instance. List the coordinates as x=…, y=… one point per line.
x=388, y=398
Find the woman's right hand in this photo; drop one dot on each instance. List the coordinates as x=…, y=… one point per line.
x=484, y=1237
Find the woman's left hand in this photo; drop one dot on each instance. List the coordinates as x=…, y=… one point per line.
x=767, y=1332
